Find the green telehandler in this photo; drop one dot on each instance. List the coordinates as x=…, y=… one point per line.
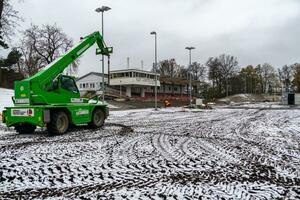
x=51, y=99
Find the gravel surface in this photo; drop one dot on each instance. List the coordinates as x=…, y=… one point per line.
x=165, y=154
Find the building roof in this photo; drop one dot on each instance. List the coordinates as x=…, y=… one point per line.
x=92, y=73
x=177, y=80
x=132, y=70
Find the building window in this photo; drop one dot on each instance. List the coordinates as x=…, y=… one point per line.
x=80, y=85
x=92, y=85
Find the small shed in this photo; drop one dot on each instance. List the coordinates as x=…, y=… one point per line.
x=289, y=98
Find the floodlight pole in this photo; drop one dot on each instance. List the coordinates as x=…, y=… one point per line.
x=102, y=10
x=190, y=65
x=155, y=67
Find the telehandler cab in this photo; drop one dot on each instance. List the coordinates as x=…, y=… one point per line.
x=51, y=99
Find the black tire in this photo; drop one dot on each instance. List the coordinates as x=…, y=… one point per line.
x=25, y=128
x=59, y=123
x=98, y=119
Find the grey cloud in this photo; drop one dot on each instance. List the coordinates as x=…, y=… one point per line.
x=253, y=30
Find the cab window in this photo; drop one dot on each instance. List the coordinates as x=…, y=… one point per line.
x=69, y=84
x=53, y=85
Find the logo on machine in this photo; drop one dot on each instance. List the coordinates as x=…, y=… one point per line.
x=22, y=101
x=76, y=100
x=22, y=112
x=82, y=112
x=83, y=49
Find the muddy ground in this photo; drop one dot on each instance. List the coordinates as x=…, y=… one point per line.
x=165, y=154
x=138, y=104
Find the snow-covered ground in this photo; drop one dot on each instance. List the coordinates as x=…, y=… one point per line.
x=5, y=98
x=165, y=154
x=260, y=105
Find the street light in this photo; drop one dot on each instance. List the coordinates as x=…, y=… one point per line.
x=102, y=10
x=155, y=64
x=190, y=64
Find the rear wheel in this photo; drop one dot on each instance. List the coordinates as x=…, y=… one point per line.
x=59, y=123
x=98, y=118
x=25, y=128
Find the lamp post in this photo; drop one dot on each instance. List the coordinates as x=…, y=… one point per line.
x=102, y=10
x=155, y=66
x=190, y=64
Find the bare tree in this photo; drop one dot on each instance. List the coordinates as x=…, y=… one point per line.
x=42, y=45
x=268, y=76
x=214, y=73
x=285, y=75
x=168, y=68
x=8, y=22
x=296, y=76
x=30, y=62
x=249, y=78
x=182, y=72
x=228, y=68
x=2, y=43
x=49, y=41
x=197, y=71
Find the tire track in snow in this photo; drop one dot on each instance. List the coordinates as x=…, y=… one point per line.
x=214, y=154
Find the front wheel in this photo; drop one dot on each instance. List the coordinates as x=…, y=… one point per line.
x=98, y=118
x=25, y=128
x=59, y=123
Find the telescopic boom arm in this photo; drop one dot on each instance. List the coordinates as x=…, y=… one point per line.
x=50, y=72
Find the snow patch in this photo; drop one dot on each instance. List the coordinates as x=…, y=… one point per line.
x=5, y=98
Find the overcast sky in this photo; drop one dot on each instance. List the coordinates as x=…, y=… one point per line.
x=256, y=31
